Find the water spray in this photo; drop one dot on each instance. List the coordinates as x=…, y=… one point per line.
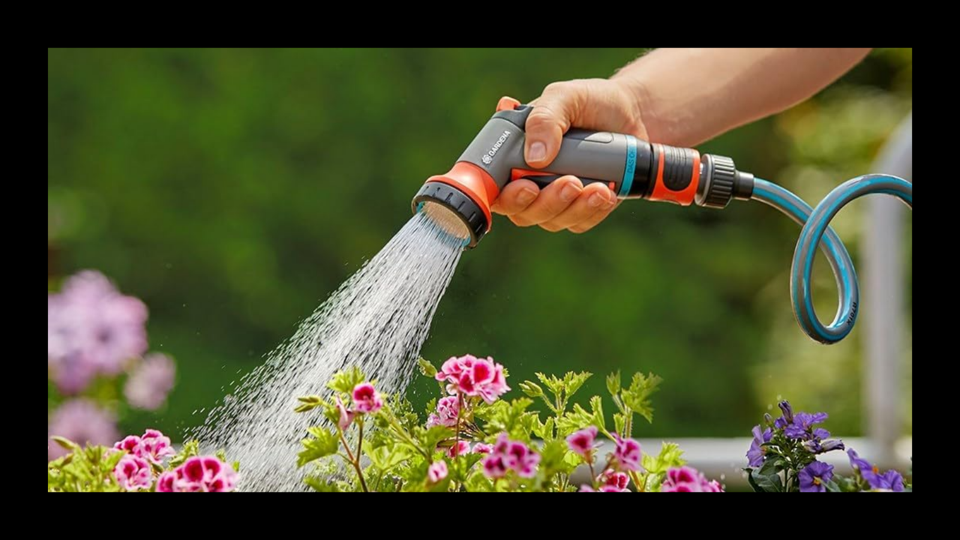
x=459, y=201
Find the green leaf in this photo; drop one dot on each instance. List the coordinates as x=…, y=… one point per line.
x=637, y=396
x=531, y=389
x=619, y=422
x=553, y=456
x=596, y=405
x=669, y=456
x=388, y=457
x=426, y=368
x=544, y=430
x=576, y=419
x=322, y=444
x=509, y=416
x=321, y=484
x=429, y=438
x=308, y=403
x=190, y=449
x=765, y=483
x=66, y=443
x=552, y=383
x=345, y=380
x=613, y=383
x=573, y=381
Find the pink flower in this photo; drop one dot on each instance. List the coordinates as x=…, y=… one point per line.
x=459, y=448
x=448, y=409
x=91, y=329
x=133, y=473
x=584, y=488
x=204, y=474
x=346, y=417
x=437, y=471
x=582, y=441
x=627, y=453
x=83, y=422
x=482, y=448
x=154, y=446
x=688, y=480
x=616, y=480
x=167, y=482
x=366, y=399
x=493, y=466
x=510, y=455
x=474, y=377
x=151, y=381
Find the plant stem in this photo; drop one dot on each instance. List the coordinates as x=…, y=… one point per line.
x=593, y=474
x=355, y=461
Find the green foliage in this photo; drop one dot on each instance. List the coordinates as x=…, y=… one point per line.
x=637, y=397
x=83, y=469
x=322, y=444
x=395, y=451
x=426, y=368
x=344, y=381
x=656, y=467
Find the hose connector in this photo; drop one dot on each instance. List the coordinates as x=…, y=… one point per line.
x=720, y=181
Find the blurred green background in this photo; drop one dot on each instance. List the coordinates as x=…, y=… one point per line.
x=233, y=190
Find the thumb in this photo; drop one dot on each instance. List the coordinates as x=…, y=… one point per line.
x=551, y=117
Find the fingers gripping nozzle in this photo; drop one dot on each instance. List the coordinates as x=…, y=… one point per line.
x=632, y=168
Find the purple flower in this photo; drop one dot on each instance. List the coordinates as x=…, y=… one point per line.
x=857, y=463
x=756, y=452
x=627, y=453
x=813, y=477
x=787, y=417
x=510, y=455
x=81, y=421
x=890, y=480
x=816, y=446
x=148, y=386
x=802, y=426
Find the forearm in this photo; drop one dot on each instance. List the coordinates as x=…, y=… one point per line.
x=687, y=96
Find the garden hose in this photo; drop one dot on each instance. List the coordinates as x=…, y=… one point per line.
x=460, y=200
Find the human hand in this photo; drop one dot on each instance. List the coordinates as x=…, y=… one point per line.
x=599, y=104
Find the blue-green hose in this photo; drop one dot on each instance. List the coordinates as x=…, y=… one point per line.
x=815, y=223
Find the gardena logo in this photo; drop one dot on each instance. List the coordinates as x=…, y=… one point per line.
x=488, y=157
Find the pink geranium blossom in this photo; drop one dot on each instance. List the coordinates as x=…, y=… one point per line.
x=437, y=471
x=474, y=376
x=204, y=474
x=582, y=442
x=346, y=417
x=627, y=453
x=153, y=446
x=459, y=448
x=448, y=409
x=366, y=399
x=133, y=473
x=687, y=479
x=482, y=448
x=510, y=455
x=616, y=480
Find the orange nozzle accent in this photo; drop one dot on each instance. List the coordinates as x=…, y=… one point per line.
x=474, y=182
x=683, y=197
x=507, y=103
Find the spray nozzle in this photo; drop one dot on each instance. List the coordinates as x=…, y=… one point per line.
x=460, y=200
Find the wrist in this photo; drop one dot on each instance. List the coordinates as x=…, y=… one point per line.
x=648, y=123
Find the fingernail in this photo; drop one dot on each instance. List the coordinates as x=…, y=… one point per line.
x=526, y=196
x=569, y=192
x=596, y=200
x=537, y=152
x=611, y=203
